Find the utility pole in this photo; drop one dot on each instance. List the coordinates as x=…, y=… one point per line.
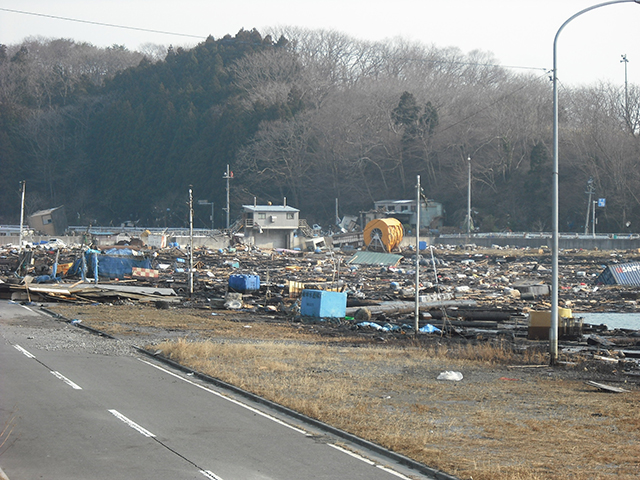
x=593, y=222
x=469, y=202
x=24, y=184
x=191, y=240
x=590, y=191
x=228, y=176
x=417, y=308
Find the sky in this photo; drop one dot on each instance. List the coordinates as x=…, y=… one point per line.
x=519, y=33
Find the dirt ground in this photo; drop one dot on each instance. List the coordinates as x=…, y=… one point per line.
x=510, y=417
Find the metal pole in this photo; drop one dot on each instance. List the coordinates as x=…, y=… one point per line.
x=586, y=223
x=24, y=183
x=590, y=192
x=227, y=176
x=190, y=240
x=593, y=221
x=469, y=201
x=626, y=88
x=417, y=306
x=553, y=334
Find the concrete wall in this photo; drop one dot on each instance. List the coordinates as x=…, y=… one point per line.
x=564, y=242
x=221, y=241
x=612, y=242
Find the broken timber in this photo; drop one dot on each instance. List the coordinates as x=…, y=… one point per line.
x=606, y=388
x=86, y=291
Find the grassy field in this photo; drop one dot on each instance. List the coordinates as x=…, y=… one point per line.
x=510, y=417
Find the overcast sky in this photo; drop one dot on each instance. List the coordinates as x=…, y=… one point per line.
x=519, y=33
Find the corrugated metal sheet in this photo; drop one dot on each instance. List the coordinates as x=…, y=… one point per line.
x=620, y=274
x=375, y=258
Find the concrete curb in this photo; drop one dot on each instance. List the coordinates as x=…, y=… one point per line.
x=399, y=458
x=61, y=318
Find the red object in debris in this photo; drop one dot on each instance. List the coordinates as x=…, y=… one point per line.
x=509, y=379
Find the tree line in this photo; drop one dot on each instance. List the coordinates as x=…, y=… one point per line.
x=313, y=116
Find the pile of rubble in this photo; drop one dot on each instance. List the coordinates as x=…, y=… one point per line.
x=458, y=283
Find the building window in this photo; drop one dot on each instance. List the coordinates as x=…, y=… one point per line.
x=391, y=208
x=262, y=216
x=46, y=220
x=291, y=216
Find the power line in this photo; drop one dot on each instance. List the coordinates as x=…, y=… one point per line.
x=162, y=32
x=125, y=27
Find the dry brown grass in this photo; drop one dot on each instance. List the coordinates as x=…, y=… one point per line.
x=497, y=423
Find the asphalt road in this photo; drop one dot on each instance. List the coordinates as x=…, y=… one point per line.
x=70, y=413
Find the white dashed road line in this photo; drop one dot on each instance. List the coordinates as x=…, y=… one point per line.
x=66, y=380
x=132, y=424
x=20, y=349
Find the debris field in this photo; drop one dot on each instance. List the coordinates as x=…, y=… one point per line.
x=465, y=291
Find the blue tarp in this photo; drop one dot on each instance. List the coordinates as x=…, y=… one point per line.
x=387, y=327
x=114, y=263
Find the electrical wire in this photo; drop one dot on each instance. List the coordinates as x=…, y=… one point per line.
x=125, y=27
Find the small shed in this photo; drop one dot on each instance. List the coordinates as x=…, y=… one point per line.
x=620, y=274
x=51, y=222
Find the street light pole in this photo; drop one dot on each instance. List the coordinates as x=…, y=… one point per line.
x=626, y=87
x=553, y=334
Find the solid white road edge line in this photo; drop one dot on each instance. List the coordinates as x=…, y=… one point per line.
x=20, y=349
x=366, y=460
x=31, y=310
x=132, y=424
x=244, y=405
x=66, y=380
x=258, y=412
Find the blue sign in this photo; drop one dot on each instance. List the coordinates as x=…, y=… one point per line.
x=602, y=202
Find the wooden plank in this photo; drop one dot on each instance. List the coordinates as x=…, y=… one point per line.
x=606, y=388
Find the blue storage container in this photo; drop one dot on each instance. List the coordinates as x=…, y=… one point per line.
x=244, y=283
x=321, y=304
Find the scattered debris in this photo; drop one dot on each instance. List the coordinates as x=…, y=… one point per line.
x=450, y=376
x=466, y=292
x=606, y=388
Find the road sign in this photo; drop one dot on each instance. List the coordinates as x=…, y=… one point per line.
x=602, y=202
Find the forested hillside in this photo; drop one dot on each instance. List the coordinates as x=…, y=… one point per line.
x=118, y=136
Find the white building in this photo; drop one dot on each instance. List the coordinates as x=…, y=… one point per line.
x=270, y=226
x=431, y=215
